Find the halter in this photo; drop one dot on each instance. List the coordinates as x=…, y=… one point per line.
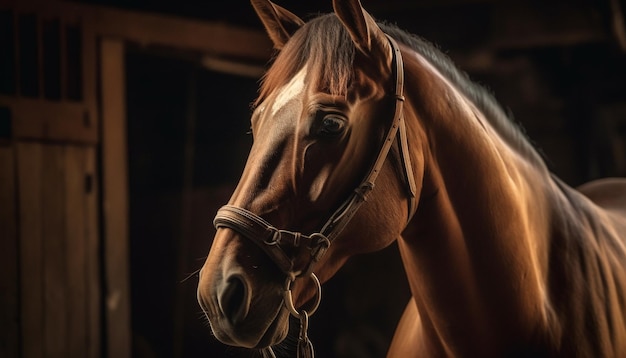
x=271, y=239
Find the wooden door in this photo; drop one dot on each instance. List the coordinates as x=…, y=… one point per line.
x=59, y=275
x=50, y=277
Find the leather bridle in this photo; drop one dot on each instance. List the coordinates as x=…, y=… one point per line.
x=271, y=240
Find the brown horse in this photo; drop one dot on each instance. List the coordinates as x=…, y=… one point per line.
x=502, y=258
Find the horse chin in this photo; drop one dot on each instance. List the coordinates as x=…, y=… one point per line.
x=276, y=332
x=253, y=333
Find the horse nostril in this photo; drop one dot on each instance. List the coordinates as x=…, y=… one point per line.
x=233, y=299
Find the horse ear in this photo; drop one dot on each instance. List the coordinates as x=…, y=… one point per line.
x=363, y=30
x=279, y=23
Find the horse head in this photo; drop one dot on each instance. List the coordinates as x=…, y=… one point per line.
x=328, y=112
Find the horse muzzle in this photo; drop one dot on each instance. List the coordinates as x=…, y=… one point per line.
x=242, y=301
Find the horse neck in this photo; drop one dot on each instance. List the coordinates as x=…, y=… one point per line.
x=473, y=252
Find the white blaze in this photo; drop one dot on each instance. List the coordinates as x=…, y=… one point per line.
x=289, y=91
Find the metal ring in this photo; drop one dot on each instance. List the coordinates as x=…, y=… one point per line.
x=289, y=300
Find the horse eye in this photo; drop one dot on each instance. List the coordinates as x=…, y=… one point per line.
x=332, y=126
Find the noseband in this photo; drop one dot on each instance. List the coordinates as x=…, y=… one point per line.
x=272, y=240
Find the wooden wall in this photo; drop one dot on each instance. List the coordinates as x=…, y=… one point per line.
x=50, y=272
x=51, y=297
x=64, y=259
x=59, y=273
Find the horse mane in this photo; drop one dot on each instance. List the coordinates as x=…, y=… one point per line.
x=324, y=43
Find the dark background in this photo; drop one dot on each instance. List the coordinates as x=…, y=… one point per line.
x=559, y=66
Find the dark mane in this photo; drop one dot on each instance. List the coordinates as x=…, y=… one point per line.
x=323, y=42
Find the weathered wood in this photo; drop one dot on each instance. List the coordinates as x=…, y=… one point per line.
x=29, y=164
x=219, y=39
x=90, y=72
x=54, y=251
x=50, y=120
x=115, y=199
x=618, y=24
x=92, y=251
x=213, y=38
x=9, y=291
x=76, y=235
x=60, y=306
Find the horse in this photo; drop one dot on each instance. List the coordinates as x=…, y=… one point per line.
x=366, y=135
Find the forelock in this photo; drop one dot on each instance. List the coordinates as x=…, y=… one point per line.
x=325, y=46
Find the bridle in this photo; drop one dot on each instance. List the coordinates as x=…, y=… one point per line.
x=271, y=239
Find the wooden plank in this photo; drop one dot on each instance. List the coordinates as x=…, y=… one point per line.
x=29, y=161
x=90, y=72
x=240, y=44
x=115, y=199
x=9, y=289
x=92, y=247
x=54, y=246
x=93, y=274
x=75, y=223
x=209, y=37
x=50, y=120
x=618, y=23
